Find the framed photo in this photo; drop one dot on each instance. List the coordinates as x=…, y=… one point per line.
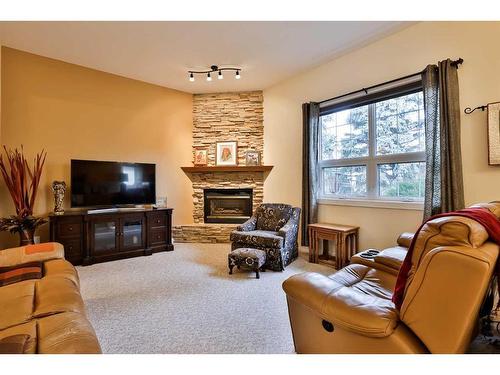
x=226, y=153
x=252, y=158
x=494, y=133
x=200, y=157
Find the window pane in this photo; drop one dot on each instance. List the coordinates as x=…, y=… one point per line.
x=400, y=125
x=345, y=181
x=344, y=134
x=402, y=180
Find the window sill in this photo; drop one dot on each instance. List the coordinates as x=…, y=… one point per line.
x=373, y=203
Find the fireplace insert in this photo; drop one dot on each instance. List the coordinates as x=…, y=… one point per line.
x=227, y=205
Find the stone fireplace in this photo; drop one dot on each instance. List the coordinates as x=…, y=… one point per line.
x=224, y=197
x=227, y=206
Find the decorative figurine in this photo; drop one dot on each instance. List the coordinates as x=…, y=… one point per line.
x=59, y=189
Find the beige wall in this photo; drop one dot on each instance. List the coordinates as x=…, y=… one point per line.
x=75, y=112
x=400, y=54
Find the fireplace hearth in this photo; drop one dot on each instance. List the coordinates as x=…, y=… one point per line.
x=227, y=205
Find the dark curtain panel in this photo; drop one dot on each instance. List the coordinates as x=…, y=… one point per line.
x=310, y=116
x=443, y=181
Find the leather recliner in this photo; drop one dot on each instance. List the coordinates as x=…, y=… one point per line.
x=351, y=311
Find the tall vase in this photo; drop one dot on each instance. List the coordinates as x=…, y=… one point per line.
x=27, y=237
x=59, y=189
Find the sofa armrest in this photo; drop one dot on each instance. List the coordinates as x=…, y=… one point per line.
x=31, y=253
x=405, y=239
x=357, y=312
x=248, y=225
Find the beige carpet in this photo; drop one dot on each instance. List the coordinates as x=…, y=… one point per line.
x=185, y=302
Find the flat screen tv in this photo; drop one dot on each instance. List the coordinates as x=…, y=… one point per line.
x=111, y=184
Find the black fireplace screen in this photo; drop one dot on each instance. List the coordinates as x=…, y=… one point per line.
x=227, y=205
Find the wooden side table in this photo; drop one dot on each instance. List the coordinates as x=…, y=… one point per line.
x=345, y=236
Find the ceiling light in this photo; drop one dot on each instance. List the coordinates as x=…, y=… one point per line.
x=213, y=69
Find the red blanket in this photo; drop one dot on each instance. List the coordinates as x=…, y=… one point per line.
x=483, y=216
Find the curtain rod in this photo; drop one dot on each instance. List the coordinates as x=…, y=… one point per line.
x=365, y=90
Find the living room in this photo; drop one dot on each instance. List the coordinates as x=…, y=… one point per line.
x=249, y=187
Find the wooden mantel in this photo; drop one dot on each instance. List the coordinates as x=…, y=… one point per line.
x=235, y=168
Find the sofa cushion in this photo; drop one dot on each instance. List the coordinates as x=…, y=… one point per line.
x=20, y=272
x=357, y=298
x=272, y=216
x=55, y=295
x=258, y=238
x=16, y=301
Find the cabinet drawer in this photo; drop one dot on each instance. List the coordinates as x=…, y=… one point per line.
x=157, y=220
x=72, y=248
x=158, y=236
x=70, y=229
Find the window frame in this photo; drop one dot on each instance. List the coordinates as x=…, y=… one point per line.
x=372, y=160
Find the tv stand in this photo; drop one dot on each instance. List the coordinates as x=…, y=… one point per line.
x=107, y=234
x=114, y=209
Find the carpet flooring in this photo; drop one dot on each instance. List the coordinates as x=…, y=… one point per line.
x=186, y=302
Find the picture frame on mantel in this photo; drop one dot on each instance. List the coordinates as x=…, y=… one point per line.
x=200, y=157
x=494, y=133
x=252, y=158
x=226, y=153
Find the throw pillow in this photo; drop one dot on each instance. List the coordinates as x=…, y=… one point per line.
x=20, y=272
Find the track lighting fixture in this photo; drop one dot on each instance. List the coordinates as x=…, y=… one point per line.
x=213, y=69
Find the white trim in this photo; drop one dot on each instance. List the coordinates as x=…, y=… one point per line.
x=370, y=162
x=372, y=203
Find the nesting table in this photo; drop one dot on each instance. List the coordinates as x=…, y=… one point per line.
x=346, y=241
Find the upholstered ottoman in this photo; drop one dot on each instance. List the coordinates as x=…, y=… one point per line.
x=247, y=257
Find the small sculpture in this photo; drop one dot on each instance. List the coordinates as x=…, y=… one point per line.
x=59, y=189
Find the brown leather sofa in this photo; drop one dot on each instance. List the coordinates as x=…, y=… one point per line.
x=351, y=311
x=50, y=310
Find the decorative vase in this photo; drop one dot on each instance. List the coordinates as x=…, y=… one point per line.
x=59, y=189
x=26, y=237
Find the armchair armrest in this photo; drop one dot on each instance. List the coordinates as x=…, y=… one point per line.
x=31, y=253
x=331, y=300
x=248, y=225
x=290, y=230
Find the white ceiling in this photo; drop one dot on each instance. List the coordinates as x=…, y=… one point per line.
x=163, y=52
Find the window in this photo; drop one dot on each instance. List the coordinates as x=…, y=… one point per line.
x=374, y=150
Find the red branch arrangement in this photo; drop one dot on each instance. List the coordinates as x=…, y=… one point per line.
x=21, y=180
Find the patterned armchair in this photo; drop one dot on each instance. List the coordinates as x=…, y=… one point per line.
x=273, y=228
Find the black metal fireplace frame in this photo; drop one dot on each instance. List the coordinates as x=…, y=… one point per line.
x=234, y=192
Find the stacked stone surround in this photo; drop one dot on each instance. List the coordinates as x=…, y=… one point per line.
x=203, y=233
x=228, y=117
x=219, y=118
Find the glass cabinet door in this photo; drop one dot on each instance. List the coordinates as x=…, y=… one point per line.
x=105, y=233
x=132, y=233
